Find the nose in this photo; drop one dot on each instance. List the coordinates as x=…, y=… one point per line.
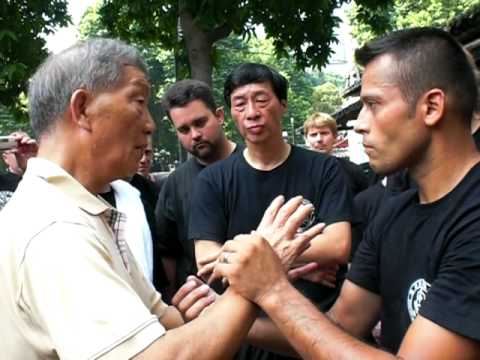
x=251, y=111
x=361, y=124
x=149, y=124
x=196, y=133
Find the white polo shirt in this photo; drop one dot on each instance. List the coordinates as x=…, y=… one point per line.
x=69, y=286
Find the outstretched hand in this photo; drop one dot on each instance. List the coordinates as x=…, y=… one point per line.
x=279, y=227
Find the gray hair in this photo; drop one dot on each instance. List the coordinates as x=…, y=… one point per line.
x=94, y=65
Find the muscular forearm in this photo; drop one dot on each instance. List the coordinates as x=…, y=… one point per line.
x=309, y=331
x=265, y=334
x=228, y=322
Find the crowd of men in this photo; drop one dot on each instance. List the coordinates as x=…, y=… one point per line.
x=244, y=254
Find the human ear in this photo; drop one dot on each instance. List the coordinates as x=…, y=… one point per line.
x=433, y=106
x=220, y=114
x=78, y=109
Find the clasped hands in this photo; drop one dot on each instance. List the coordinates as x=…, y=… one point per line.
x=252, y=264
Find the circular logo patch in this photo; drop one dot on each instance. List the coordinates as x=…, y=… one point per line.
x=309, y=220
x=417, y=293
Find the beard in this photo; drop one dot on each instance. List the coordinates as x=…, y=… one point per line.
x=203, y=150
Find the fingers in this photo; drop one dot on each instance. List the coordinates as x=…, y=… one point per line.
x=302, y=241
x=271, y=211
x=287, y=211
x=205, y=271
x=197, y=299
x=209, y=259
x=296, y=219
x=191, y=283
x=300, y=271
x=314, y=230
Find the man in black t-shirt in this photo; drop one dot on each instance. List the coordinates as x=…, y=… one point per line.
x=199, y=125
x=418, y=267
x=231, y=196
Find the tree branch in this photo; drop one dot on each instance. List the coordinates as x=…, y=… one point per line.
x=220, y=32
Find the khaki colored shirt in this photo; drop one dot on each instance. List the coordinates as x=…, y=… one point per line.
x=69, y=285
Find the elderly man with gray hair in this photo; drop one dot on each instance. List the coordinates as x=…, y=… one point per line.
x=70, y=286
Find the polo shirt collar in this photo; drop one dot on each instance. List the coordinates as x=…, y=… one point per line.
x=58, y=177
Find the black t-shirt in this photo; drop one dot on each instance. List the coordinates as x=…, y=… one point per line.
x=230, y=198
x=357, y=179
x=172, y=215
x=367, y=204
x=425, y=258
x=8, y=184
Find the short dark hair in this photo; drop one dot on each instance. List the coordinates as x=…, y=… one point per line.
x=249, y=73
x=184, y=92
x=427, y=58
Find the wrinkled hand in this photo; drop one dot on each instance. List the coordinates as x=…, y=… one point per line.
x=253, y=268
x=193, y=298
x=325, y=275
x=279, y=227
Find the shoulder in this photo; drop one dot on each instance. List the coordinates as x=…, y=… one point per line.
x=224, y=167
x=317, y=157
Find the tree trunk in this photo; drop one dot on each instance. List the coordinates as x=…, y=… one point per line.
x=199, y=48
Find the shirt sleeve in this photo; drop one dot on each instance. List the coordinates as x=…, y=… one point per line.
x=453, y=298
x=85, y=308
x=334, y=198
x=208, y=218
x=364, y=270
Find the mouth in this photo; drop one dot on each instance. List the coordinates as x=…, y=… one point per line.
x=255, y=129
x=200, y=145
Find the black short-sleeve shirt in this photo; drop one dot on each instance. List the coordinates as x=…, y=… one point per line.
x=230, y=198
x=425, y=259
x=172, y=213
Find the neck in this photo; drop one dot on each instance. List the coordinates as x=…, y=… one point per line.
x=262, y=157
x=444, y=165
x=74, y=159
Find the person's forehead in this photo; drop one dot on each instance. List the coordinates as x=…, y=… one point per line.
x=135, y=76
x=317, y=129
x=189, y=112
x=252, y=89
x=380, y=73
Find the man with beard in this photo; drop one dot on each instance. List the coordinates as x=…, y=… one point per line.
x=199, y=126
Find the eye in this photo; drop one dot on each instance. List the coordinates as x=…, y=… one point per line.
x=239, y=104
x=183, y=130
x=369, y=104
x=200, y=123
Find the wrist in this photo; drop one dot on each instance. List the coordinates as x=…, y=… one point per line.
x=274, y=294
